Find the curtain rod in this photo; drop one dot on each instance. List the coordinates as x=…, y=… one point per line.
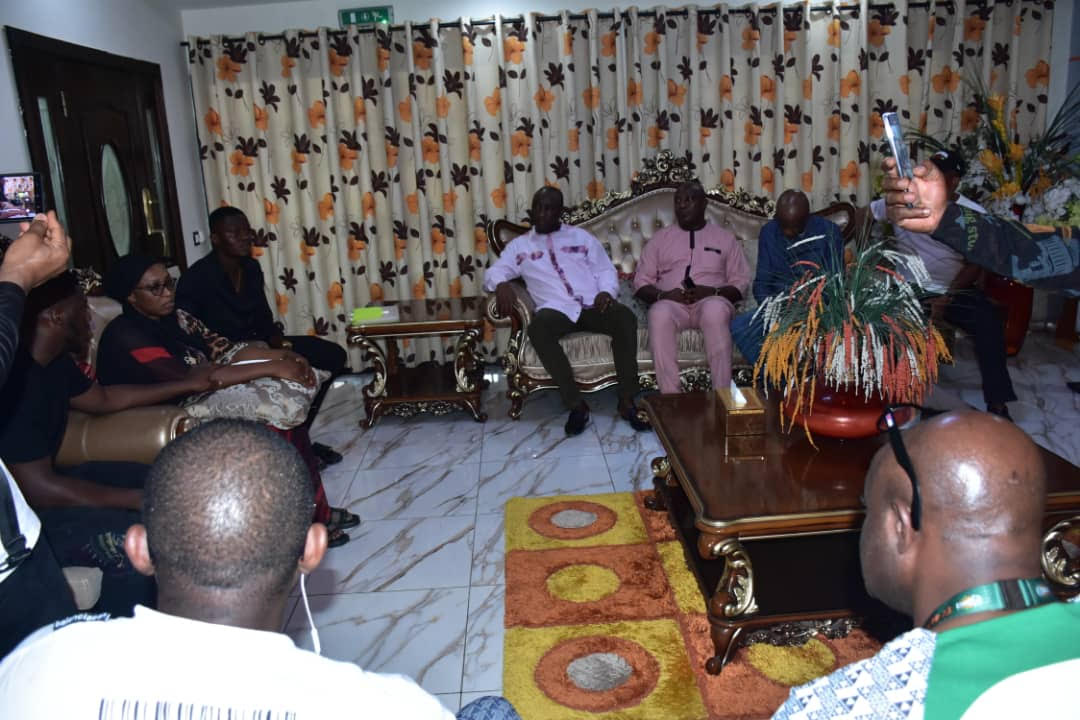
x=578, y=16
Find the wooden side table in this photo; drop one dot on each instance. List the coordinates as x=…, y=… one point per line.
x=428, y=387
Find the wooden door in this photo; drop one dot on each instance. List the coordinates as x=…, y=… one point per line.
x=97, y=134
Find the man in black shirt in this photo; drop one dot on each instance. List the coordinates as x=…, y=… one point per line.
x=84, y=510
x=225, y=290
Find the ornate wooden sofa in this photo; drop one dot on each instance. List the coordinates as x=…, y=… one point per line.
x=624, y=222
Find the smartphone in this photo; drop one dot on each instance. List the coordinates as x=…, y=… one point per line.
x=899, y=148
x=20, y=196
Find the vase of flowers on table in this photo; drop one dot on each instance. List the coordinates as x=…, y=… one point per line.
x=841, y=343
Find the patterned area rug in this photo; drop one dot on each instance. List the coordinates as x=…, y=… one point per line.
x=605, y=620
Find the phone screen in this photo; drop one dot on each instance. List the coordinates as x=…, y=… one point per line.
x=20, y=196
x=899, y=148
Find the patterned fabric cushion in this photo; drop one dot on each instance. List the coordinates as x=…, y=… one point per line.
x=281, y=403
x=626, y=297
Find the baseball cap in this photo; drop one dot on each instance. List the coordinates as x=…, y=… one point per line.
x=949, y=162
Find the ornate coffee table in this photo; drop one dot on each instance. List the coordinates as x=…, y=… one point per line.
x=773, y=541
x=428, y=387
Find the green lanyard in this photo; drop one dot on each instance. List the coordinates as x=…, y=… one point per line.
x=1001, y=595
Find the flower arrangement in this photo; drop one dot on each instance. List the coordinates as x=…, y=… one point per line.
x=861, y=327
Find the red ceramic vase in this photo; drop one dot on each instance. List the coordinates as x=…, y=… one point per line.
x=840, y=413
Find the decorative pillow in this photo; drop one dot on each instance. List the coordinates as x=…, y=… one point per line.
x=626, y=297
x=281, y=403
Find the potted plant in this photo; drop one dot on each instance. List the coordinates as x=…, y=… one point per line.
x=842, y=343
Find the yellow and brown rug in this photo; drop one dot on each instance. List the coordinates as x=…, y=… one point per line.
x=604, y=620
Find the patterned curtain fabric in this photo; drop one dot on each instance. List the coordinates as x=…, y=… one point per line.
x=369, y=161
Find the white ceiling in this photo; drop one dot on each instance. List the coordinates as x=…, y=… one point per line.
x=205, y=4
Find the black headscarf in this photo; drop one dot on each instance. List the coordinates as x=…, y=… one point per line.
x=125, y=274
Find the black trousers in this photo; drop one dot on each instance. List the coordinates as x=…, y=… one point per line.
x=976, y=315
x=33, y=596
x=324, y=355
x=617, y=322
x=94, y=537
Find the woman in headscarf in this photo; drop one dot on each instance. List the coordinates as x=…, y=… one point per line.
x=152, y=341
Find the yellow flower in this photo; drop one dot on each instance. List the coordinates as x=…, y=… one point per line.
x=1016, y=152
x=1007, y=190
x=996, y=103
x=991, y=161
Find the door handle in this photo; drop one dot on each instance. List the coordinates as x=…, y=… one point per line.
x=153, y=225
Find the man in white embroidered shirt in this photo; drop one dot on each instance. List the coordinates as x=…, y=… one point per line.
x=952, y=537
x=574, y=284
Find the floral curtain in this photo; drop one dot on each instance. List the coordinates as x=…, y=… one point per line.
x=369, y=160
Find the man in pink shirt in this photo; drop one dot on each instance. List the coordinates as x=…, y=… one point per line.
x=571, y=278
x=691, y=274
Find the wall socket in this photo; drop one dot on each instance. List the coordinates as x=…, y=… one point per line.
x=196, y=238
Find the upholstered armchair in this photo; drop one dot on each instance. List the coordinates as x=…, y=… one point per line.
x=624, y=222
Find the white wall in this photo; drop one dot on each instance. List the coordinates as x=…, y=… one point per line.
x=132, y=28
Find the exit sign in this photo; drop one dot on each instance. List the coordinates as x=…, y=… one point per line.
x=366, y=15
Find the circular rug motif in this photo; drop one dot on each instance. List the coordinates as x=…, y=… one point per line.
x=572, y=520
x=582, y=583
x=792, y=664
x=597, y=674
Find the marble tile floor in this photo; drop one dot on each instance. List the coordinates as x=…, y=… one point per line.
x=419, y=589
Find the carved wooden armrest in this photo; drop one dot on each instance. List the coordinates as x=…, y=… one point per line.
x=521, y=315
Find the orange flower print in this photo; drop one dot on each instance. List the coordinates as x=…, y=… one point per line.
x=298, y=160
x=287, y=64
x=356, y=248
x=591, y=97
x=376, y=292
x=493, y=103
x=544, y=99
x=726, y=86
x=752, y=133
x=905, y=83
x=421, y=55
x=790, y=130
x=359, y=110
x=404, y=109
x=652, y=42
x=808, y=181
x=391, y=155
x=568, y=43
x=768, y=88
x=438, y=241
x=326, y=206
x=877, y=125
x=595, y=189
x=922, y=122
x=946, y=80
x=513, y=49
x=498, y=197
x=467, y=49
x=338, y=63
x=474, y=147
x=306, y=252
x=369, y=205
x=834, y=32
x=704, y=133
x=790, y=36
x=633, y=93
x=750, y=38
x=1038, y=75
x=612, y=138
x=702, y=41
x=850, y=84
x=212, y=121
x=834, y=127
x=412, y=201
x=767, y=180
x=808, y=87
x=400, y=244
x=240, y=163
x=572, y=140
x=607, y=44
x=655, y=136
x=419, y=289
x=449, y=200
x=317, y=114
x=429, y=147
x=969, y=119
x=876, y=32
x=227, y=69
x=273, y=211
x=480, y=241
x=455, y=287
x=520, y=144
x=335, y=295
x=383, y=56
x=261, y=117
x=442, y=106
x=346, y=155
x=1016, y=25
x=973, y=29
x=282, y=303
x=849, y=174
x=256, y=251
x=676, y=93
x=727, y=179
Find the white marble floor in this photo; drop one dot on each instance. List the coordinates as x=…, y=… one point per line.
x=419, y=590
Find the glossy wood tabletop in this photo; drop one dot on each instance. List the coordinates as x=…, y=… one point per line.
x=795, y=489
x=424, y=317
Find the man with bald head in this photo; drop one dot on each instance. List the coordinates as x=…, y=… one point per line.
x=792, y=236
x=952, y=537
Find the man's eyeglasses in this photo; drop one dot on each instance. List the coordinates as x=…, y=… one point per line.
x=888, y=423
x=158, y=289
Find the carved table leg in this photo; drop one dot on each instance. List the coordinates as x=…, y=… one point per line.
x=733, y=598
x=465, y=375
x=1058, y=567
x=374, y=391
x=661, y=469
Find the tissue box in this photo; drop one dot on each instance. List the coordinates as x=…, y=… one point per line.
x=747, y=418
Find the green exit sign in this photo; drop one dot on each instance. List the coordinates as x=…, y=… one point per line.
x=366, y=15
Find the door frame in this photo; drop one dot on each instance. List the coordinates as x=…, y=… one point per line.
x=24, y=47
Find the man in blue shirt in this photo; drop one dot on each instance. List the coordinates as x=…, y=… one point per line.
x=792, y=236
